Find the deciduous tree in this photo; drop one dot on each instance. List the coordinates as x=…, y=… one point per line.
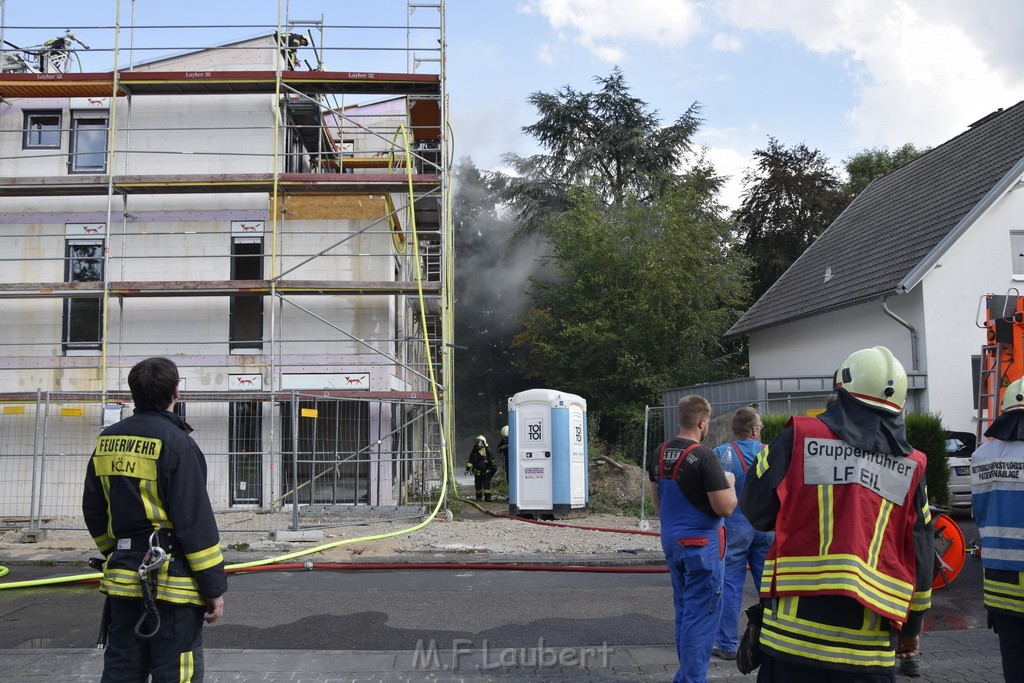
x=606, y=140
x=873, y=163
x=790, y=196
x=642, y=296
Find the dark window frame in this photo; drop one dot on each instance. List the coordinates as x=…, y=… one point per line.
x=74, y=143
x=245, y=311
x=245, y=452
x=78, y=310
x=28, y=132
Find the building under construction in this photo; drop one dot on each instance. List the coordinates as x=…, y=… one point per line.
x=270, y=212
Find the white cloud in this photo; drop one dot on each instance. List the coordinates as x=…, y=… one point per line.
x=730, y=165
x=545, y=55
x=922, y=73
x=727, y=42
x=606, y=27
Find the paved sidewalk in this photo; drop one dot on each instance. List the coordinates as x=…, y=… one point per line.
x=969, y=656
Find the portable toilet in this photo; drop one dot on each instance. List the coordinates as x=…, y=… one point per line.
x=548, y=454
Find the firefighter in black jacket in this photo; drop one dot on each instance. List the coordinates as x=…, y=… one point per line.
x=147, y=509
x=481, y=464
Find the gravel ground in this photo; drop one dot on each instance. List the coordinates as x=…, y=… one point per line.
x=245, y=537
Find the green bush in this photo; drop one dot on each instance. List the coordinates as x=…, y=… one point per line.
x=926, y=433
x=771, y=426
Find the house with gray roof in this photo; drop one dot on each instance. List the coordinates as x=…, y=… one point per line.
x=904, y=266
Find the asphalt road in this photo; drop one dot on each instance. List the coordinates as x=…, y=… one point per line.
x=396, y=610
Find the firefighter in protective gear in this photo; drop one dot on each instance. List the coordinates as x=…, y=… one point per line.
x=290, y=44
x=848, y=579
x=481, y=464
x=997, y=496
x=145, y=491
x=692, y=494
x=503, y=448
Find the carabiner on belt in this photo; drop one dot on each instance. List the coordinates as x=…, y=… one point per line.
x=151, y=561
x=153, y=558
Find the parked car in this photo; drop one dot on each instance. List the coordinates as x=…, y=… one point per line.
x=959, y=448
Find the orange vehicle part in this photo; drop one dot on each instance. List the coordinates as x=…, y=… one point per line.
x=950, y=550
x=1002, y=356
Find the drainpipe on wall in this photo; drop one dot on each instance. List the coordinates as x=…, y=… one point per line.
x=915, y=364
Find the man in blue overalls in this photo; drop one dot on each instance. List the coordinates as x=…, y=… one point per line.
x=692, y=493
x=745, y=545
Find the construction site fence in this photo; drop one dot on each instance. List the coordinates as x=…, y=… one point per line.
x=291, y=460
x=661, y=424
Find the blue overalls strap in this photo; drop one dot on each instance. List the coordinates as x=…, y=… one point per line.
x=661, y=460
x=743, y=461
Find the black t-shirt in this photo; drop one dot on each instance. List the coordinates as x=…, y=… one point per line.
x=700, y=472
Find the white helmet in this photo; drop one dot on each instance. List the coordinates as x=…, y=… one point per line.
x=1013, y=396
x=875, y=378
x=504, y=430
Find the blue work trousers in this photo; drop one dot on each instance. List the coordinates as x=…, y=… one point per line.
x=696, y=573
x=745, y=547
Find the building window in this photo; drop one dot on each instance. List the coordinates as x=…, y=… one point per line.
x=42, y=130
x=245, y=319
x=88, y=150
x=245, y=441
x=1017, y=253
x=82, y=326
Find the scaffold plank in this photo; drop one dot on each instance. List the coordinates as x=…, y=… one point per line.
x=65, y=290
x=95, y=185
x=214, y=82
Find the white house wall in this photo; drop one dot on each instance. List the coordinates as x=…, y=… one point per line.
x=816, y=346
x=249, y=55
x=978, y=263
x=943, y=309
x=202, y=134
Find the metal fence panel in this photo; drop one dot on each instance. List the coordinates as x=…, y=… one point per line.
x=296, y=453
x=661, y=422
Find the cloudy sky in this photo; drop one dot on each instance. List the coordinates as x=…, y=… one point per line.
x=839, y=75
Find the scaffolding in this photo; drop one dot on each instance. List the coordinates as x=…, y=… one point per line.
x=270, y=224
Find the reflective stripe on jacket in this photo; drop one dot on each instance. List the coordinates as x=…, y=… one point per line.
x=147, y=474
x=997, y=489
x=846, y=524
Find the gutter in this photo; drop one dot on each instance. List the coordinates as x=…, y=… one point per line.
x=914, y=362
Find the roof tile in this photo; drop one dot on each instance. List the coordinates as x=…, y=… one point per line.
x=892, y=225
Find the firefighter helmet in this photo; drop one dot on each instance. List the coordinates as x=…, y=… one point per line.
x=504, y=430
x=481, y=439
x=1013, y=396
x=875, y=378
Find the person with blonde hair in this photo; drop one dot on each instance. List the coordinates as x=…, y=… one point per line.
x=745, y=545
